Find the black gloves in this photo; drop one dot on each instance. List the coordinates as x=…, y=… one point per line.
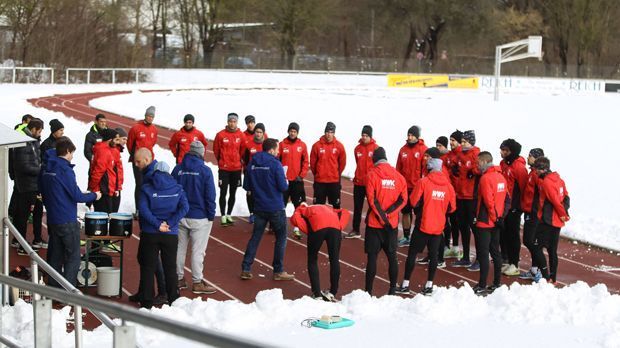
x=299, y=179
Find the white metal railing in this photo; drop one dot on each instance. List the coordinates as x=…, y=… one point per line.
x=14, y=69
x=113, y=70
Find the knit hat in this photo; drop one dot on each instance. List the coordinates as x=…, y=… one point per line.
x=433, y=152
x=259, y=126
x=542, y=163
x=513, y=146
x=108, y=134
x=232, y=116
x=121, y=132
x=150, y=111
x=367, y=130
x=434, y=165
x=294, y=126
x=197, y=148
x=442, y=140
x=56, y=125
x=379, y=155
x=537, y=152
x=189, y=117
x=415, y=131
x=330, y=127
x=470, y=136
x=457, y=135
x=162, y=166
x=250, y=118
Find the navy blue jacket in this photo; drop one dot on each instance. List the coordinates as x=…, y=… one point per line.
x=162, y=199
x=147, y=172
x=60, y=190
x=197, y=181
x=265, y=179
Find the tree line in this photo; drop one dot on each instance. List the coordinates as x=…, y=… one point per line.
x=577, y=34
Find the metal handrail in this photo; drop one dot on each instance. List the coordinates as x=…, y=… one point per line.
x=36, y=262
x=184, y=330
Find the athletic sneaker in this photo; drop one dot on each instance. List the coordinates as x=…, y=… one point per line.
x=181, y=284
x=251, y=219
x=403, y=242
x=246, y=275
x=328, y=296
x=202, y=288
x=427, y=291
x=538, y=277
x=527, y=275
x=504, y=267
x=403, y=290
x=479, y=290
x=224, y=221
x=14, y=244
x=422, y=261
x=283, y=276
x=230, y=220
x=474, y=267
x=493, y=287
x=41, y=244
x=461, y=263
x=353, y=234
x=21, y=251
x=441, y=264
x=160, y=300
x=512, y=270
x=297, y=234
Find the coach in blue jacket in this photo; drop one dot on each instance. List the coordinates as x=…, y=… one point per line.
x=195, y=228
x=61, y=195
x=265, y=180
x=162, y=205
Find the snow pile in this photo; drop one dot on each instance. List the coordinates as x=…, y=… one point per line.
x=577, y=315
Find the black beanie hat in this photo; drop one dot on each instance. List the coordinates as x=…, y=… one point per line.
x=293, y=125
x=259, y=126
x=542, y=163
x=513, y=146
x=367, y=130
x=108, y=134
x=415, y=131
x=470, y=136
x=330, y=127
x=442, y=140
x=378, y=155
x=433, y=152
x=188, y=117
x=56, y=125
x=457, y=135
x=121, y=132
x=537, y=152
x=250, y=118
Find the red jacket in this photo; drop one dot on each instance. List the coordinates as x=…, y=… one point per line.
x=386, y=192
x=227, y=148
x=493, y=198
x=451, y=161
x=530, y=194
x=515, y=172
x=313, y=218
x=553, y=201
x=411, y=163
x=363, y=159
x=181, y=140
x=327, y=160
x=120, y=174
x=141, y=135
x=467, y=162
x=294, y=155
x=250, y=148
x=103, y=176
x=436, y=195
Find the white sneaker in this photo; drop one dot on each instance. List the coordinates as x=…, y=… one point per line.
x=505, y=267
x=512, y=270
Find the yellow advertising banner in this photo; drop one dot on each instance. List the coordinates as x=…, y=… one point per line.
x=432, y=81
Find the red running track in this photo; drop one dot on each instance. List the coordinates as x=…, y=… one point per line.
x=227, y=245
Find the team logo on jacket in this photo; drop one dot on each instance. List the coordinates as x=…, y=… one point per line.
x=237, y=140
x=299, y=148
x=225, y=140
x=321, y=150
x=359, y=154
x=285, y=150
x=388, y=183
x=501, y=187
x=334, y=151
x=370, y=153
x=403, y=154
x=417, y=155
x=252, y=150
x=183, y=140
x=438, y=195
x=561, y=191
x=468, y=164
x=142, y=135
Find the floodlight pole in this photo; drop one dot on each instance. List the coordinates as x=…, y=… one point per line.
x=533, y=46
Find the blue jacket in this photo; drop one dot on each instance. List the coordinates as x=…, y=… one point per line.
x=60, y=191
x=161, y=199
x=147, y=172
x=197, y=181
x=265, y=179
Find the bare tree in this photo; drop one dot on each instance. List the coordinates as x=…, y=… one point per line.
x=209, y=32
x=184, y=11
x=23, y=17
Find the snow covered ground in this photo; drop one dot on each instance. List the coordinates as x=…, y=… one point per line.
x=574, y=131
